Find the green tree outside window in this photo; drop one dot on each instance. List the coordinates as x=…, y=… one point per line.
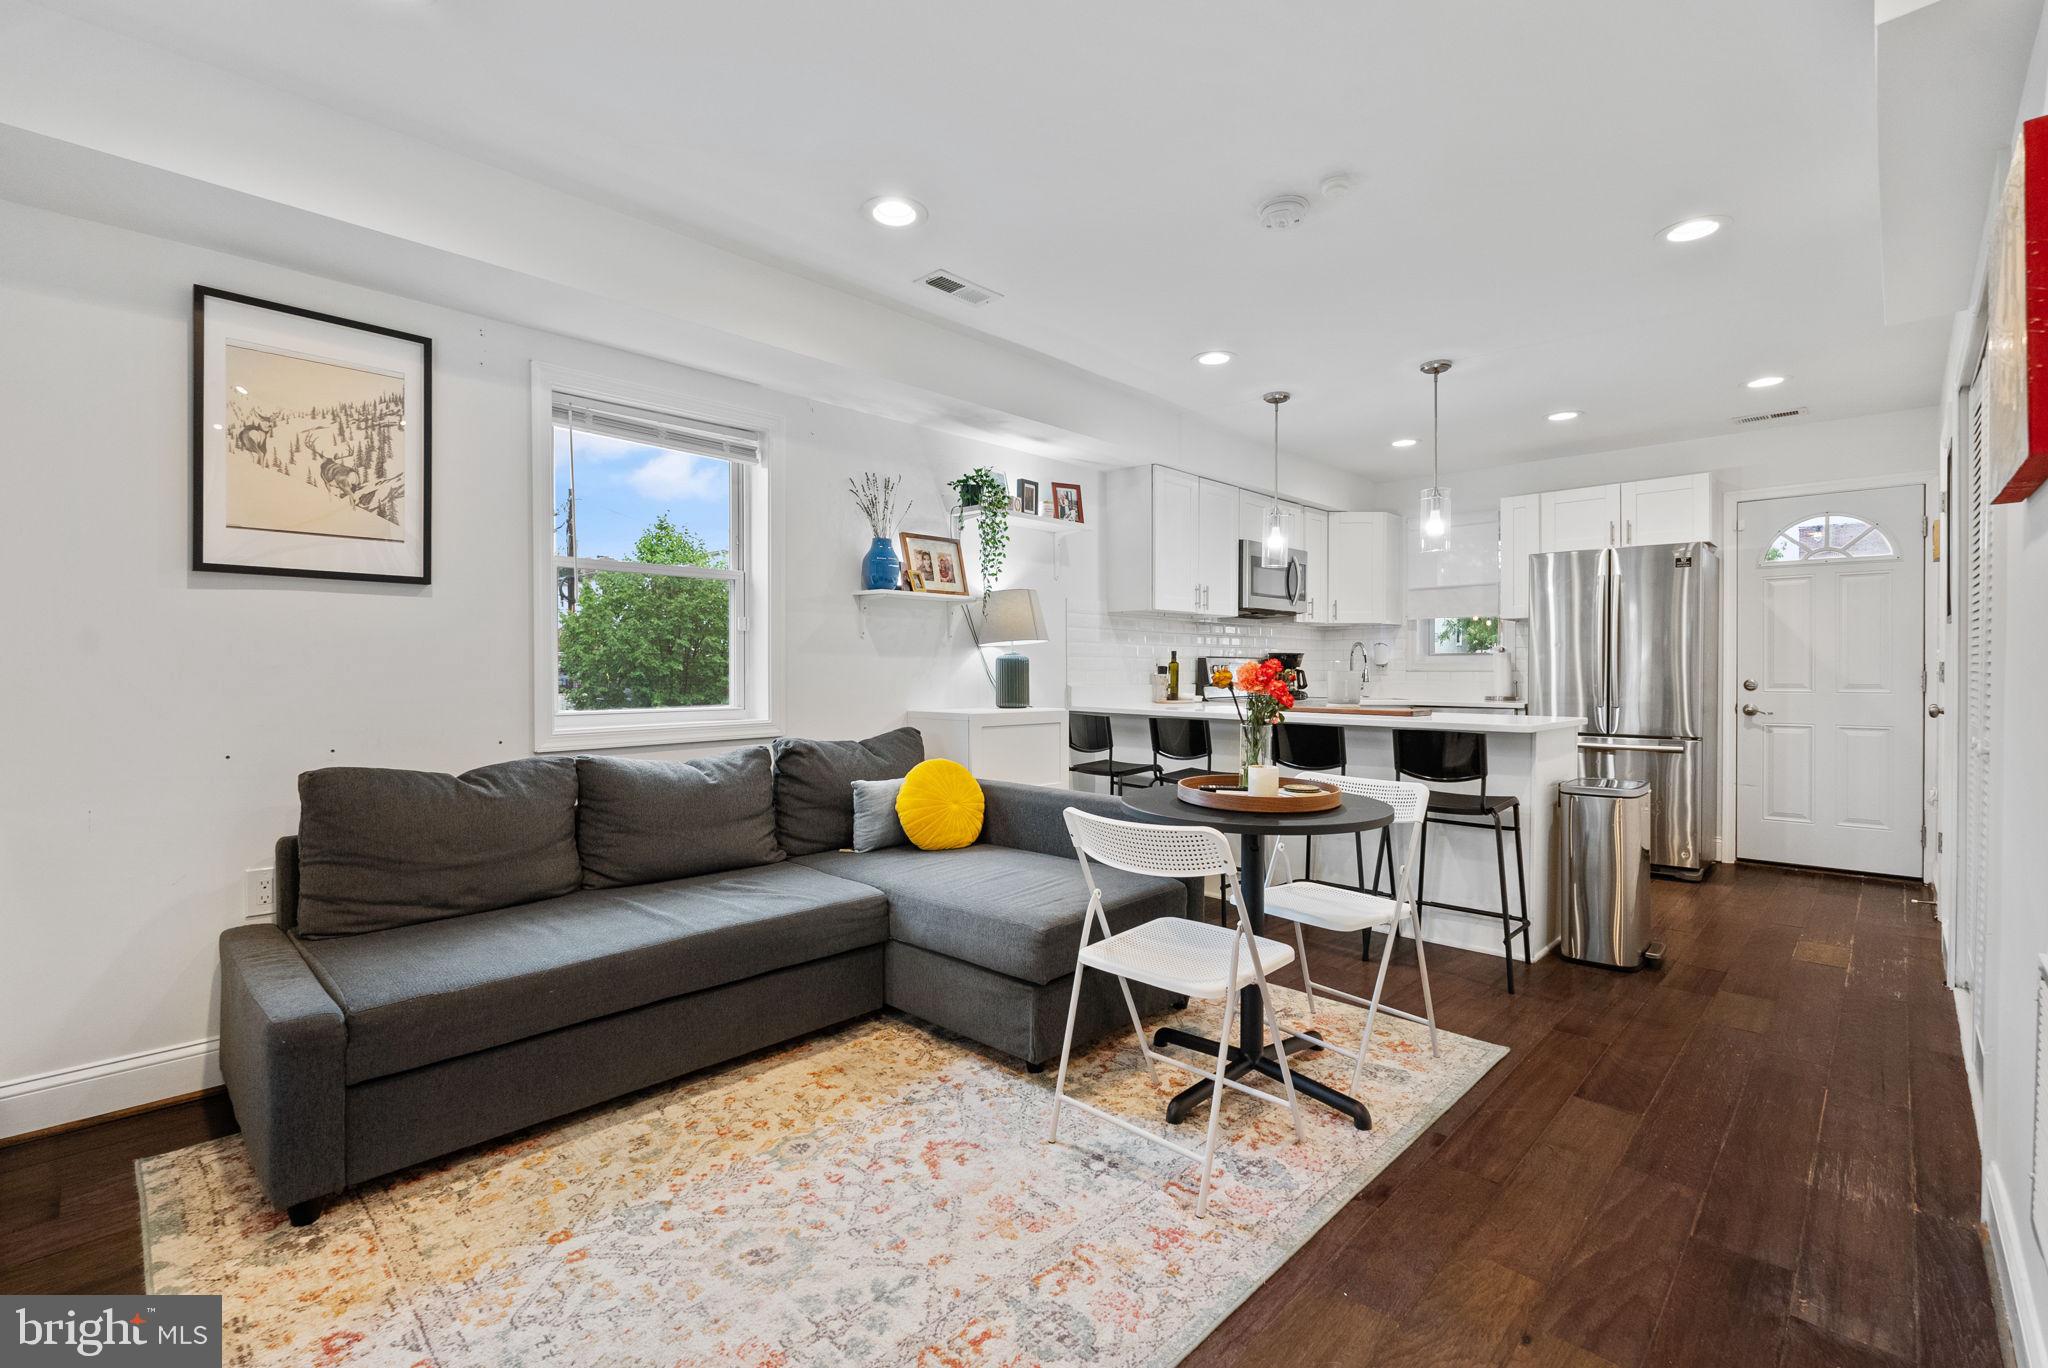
x=634, y=640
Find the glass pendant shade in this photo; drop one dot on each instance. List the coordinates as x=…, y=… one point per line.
x=1435, y=519
x=1273, y=543
x=1273, y=550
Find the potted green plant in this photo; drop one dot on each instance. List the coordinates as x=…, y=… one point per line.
x=986, y=489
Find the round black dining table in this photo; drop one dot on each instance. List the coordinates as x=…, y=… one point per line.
x=1162, y=802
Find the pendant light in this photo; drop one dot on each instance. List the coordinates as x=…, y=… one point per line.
x=1273, y=548
x=1436, y=500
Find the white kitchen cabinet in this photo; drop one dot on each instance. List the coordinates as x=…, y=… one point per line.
x=1580, y=519
x=1365, y=578
x=1315, y=539
x=1216, y=556
x=1677, y=509
x=1521, y=535
x=1172, y=543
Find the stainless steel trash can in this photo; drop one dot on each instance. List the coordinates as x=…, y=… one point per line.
x=1603, y=871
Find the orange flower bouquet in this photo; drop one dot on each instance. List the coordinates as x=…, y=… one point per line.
x=1262, y=691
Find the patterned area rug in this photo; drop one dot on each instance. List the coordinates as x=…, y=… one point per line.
x=880, y=1196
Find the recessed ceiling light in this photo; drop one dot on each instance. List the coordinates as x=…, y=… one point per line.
x=1404, y=441
x=240, y=390
x=1766, y=382
x=894, y=211
x=1693, y=229
x=1564, y=415
x=1214, y=358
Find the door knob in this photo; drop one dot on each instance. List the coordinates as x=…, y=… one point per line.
x=1752, y=710
x=1749, y=684
x=1936, y=710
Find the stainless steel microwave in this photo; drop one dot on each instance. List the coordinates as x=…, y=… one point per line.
x=1270, y=593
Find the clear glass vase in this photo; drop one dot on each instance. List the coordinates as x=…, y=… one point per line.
x=1254, y=748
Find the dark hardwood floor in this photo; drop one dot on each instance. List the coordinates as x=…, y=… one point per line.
x=1761, y=1154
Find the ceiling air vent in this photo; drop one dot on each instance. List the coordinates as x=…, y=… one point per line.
x=964, y=290
x=1770, y=417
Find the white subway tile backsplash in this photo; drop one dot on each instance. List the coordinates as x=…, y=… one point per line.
x=1121, y=650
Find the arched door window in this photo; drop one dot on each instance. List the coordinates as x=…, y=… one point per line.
x=1829, y=536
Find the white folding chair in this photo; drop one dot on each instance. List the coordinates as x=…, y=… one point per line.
x=1189, y=958
x=1343, y=909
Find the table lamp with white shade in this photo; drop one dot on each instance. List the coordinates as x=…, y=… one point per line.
x=1011, y=617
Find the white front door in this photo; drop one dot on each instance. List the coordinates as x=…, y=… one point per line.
x=1829, y=641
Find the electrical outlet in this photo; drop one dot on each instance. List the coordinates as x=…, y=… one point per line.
x=259, y=894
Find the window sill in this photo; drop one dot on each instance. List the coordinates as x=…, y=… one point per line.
x=654, y=734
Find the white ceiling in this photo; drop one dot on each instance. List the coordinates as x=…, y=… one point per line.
x=1100, y=165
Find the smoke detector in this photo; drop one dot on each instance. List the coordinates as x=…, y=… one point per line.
x=961, y=288
x=1338, y=186
x=1283, y=212
x=1771, y=417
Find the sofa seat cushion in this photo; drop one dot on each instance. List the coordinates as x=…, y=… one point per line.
x=416, y=995
x=1014, y=911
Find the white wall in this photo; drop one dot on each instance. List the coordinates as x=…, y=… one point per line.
x=2017, y=929
x=159, y=717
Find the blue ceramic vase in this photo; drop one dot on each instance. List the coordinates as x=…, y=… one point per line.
x=881, y=567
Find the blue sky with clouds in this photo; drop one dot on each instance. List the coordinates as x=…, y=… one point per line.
x=622, y=488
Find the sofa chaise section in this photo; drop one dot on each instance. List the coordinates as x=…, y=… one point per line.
x=982, y=940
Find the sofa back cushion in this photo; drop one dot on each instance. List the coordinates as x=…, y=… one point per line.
x=814, y=784
x=382, y=848
x=644, y=821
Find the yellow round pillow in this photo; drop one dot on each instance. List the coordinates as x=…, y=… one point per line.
x=940, y=806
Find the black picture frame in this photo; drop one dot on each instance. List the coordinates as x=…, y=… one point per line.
x=199, y=562
x=1027, y=497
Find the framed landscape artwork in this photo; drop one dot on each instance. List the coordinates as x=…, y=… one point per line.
x=934, y=565
x=2016, y=349
x=312, y=443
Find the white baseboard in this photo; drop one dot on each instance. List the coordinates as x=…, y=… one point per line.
x=2022, y=1308
x=64, y=1095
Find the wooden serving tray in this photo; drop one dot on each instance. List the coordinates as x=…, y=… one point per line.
x=1221, y=791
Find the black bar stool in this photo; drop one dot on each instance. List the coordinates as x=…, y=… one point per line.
x=1446, y=757
x=1181, y=738
x=1310, y=750
x=1090, y=734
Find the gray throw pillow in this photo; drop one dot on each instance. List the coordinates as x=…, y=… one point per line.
x=381, y=848
x=814, y=784
x=875, y=823
x=643, y=821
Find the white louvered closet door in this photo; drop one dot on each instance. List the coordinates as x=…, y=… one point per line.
x=1978, y=751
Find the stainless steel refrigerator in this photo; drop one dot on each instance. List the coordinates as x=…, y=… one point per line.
x=1629, y=639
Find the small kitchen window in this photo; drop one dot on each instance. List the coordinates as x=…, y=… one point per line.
x=1455, y=637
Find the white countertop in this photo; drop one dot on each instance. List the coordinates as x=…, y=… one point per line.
x=1510, y=723
x=1456, y=704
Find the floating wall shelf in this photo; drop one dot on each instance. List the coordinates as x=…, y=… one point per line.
x=1029, y=522
x=863, y=597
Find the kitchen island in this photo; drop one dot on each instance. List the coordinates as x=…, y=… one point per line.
x=1528, y=757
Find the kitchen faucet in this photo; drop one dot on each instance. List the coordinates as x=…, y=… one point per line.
x=1359, y=648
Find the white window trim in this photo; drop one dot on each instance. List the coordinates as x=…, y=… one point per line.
x=755, y=626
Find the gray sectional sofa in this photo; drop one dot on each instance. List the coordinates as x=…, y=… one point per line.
x=457, y=957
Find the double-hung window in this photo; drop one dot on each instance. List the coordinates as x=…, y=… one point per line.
x=650, y=628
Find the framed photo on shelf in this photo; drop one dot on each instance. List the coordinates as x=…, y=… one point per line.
x=1066, y=502
x=934, y=565
x=312, y=443
x=1027, y=497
